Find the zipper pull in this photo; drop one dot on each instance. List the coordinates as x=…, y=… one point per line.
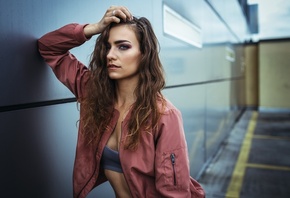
x=172, y=156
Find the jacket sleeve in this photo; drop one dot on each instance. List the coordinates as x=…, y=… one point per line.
x=54, y=48
x=171, y=160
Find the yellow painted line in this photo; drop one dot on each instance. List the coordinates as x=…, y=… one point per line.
x=270, y=167
x=236, y=182
x=271, y=137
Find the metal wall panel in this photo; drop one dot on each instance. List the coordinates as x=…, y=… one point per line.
x=218, y=115
x=37, y=149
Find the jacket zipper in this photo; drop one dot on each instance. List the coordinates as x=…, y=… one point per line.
x=124, y=172
x=172, y=156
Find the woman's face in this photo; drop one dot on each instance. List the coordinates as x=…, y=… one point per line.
x=123, y=53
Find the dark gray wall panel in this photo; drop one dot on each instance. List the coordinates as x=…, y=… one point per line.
x=37, y=149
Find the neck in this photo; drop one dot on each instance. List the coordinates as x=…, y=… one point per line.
x=125, y=93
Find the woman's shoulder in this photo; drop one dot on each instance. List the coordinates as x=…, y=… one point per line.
x=166, y=106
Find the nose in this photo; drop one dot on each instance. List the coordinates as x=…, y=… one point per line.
x=111, y=54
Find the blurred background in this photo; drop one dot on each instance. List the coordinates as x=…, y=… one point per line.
x=221, y=58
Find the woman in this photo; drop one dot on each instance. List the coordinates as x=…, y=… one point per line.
x=129, y=134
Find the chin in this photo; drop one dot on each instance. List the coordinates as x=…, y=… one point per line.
x=113, y=77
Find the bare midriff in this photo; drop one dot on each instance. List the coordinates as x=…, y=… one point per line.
x=118, y=183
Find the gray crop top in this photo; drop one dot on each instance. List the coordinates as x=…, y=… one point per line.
x=110, y=160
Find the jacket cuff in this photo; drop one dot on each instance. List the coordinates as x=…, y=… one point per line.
x=79, y=33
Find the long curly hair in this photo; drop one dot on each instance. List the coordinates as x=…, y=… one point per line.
x=99, y=103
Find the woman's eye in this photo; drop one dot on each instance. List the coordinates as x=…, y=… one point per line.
x=124, y=47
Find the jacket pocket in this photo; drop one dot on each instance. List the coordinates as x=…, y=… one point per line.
x=176, y=169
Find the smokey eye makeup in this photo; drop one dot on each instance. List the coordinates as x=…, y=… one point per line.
x=124, y=46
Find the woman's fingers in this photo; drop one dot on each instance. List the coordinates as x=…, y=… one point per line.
x=113, y=14
x=120, y=12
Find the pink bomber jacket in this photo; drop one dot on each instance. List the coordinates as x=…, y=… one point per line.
x=160, y=165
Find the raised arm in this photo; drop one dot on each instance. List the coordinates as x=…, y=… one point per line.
x=54, y=48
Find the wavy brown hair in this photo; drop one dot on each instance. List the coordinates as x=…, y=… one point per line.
x=99, y=103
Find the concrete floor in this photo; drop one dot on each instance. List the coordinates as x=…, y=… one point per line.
x=254, y=162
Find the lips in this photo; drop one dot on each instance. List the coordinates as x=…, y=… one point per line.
x=112, y=66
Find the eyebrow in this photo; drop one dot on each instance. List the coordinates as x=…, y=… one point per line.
x=121, y=41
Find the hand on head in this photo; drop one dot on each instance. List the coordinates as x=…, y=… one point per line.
x=114, y=14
